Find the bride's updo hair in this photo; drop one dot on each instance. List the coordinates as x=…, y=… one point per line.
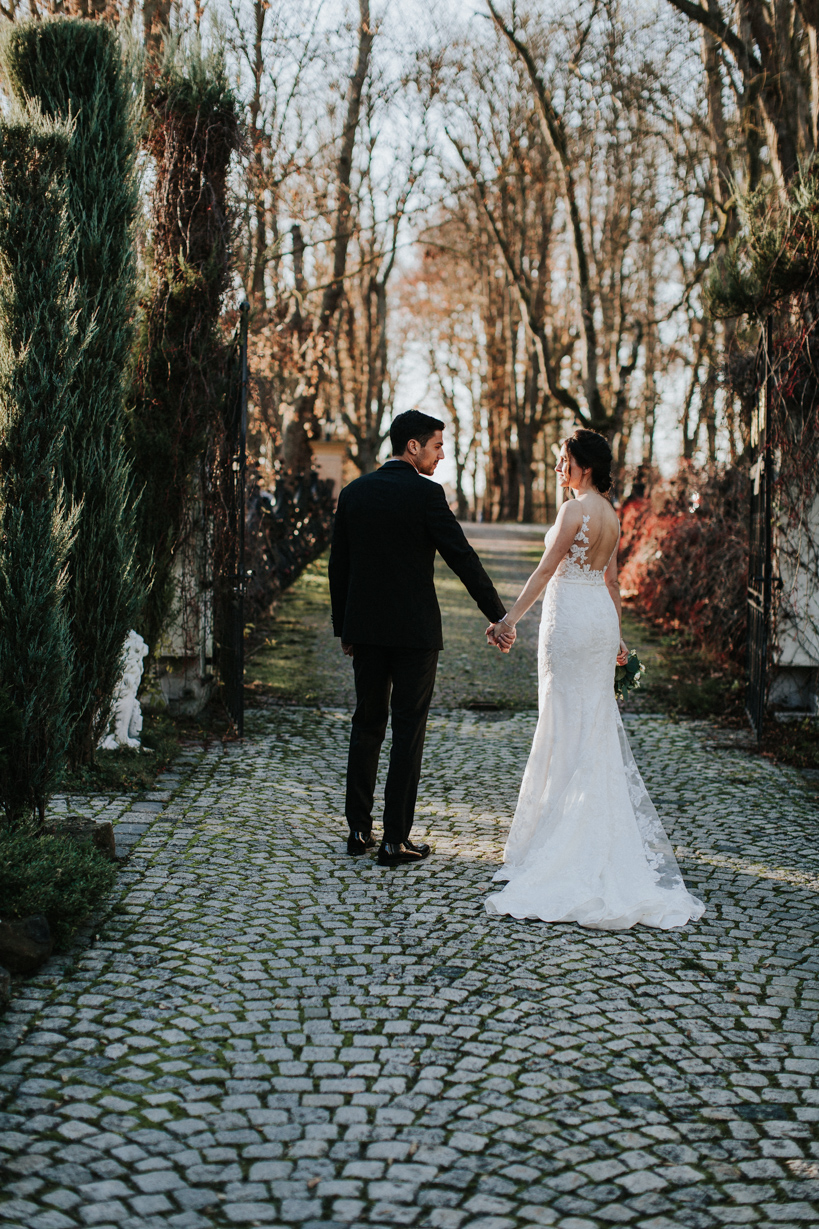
x=591, y=451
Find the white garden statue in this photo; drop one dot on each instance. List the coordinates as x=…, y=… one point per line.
x=125, y=722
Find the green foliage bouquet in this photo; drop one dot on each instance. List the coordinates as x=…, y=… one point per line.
x=628, y=676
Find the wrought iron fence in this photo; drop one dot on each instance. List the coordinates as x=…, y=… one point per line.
x=231, y=571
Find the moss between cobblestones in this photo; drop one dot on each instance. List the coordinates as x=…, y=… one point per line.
x=275, y=1032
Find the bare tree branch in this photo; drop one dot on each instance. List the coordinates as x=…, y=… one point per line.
x=712, y=21
x=332, y=294
x=555, y=135
x=535, y=328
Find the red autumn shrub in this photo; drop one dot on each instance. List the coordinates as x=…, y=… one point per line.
x=633, y=517
x=684, y=557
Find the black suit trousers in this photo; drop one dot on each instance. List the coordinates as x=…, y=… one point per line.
x=410, y=675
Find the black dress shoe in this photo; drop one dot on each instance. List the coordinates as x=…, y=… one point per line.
x=397, y=854
x=358, y=843
x=423, y=851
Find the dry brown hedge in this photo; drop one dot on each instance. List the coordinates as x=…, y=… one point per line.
x=684, y=557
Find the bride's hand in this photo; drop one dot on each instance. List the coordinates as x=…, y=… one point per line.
x=502, y=635
x=622, y=656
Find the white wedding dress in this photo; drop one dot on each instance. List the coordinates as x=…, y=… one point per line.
x=586, y=844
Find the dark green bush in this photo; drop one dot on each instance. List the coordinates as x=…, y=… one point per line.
x=64, y=879
x=74, y=72
x=39, y=351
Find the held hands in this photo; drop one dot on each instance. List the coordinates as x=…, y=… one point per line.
x=502, y=635
x=622, y=656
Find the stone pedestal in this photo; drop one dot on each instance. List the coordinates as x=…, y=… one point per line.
x=182, y=679
x=184, y=687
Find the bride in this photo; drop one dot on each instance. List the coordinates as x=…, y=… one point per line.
x=586, y=844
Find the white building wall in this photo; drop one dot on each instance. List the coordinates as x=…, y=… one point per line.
x=795, y=668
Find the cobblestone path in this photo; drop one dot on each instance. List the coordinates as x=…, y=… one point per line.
x=263, y=1031
x=267, y=1032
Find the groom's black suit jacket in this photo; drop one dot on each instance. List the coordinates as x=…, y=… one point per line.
x=388, y=526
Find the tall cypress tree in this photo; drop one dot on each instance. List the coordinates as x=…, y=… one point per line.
x=38, y=357
x=74, y=67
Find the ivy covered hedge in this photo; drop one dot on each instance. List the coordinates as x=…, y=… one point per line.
x=180, y=357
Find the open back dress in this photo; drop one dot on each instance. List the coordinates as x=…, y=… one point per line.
x=586, y=844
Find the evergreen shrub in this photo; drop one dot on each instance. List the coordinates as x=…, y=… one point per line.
x=39, y=351
x=775, y=256
x=75, y=68
x=64, y=879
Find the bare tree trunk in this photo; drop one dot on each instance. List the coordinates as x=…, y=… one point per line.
x=650, y=403
x=497, y=413
x=459, y=453
x=259, y=237
x=763, y=75
x=304, y=424
x=722, y=172
x=156, y=15
x=809, y=12
x=708, y=409
x=689, y=437
x=366, y=424
x=526, y=473
x=551, y=444
x=554, y=134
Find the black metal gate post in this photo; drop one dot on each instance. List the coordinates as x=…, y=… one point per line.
x=760, y=562
x=232, y=639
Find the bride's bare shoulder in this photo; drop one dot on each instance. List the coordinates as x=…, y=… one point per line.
x=570, y=514
x=611, y=516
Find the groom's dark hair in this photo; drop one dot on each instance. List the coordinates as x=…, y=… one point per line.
x=412, y=425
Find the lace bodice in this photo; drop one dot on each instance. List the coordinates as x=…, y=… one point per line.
x=574, y=567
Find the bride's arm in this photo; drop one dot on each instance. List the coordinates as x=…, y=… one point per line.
x=569, y=520
x=613, y=586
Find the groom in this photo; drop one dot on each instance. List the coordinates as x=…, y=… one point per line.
x=388, y=526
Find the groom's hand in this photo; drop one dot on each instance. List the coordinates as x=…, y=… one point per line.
x=347, y=649
x=501, y=635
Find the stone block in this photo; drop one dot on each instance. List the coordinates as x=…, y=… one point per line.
x=25, y=944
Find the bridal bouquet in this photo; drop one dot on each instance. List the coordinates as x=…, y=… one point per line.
x=628, y=676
